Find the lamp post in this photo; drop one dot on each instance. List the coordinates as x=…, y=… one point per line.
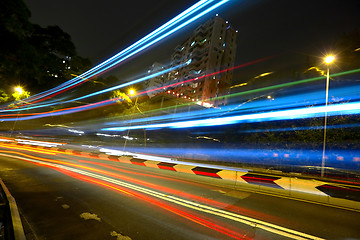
x=132, y=92
x=17, y=95
x=328, y=60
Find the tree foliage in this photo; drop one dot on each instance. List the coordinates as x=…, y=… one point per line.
x=3, y=96
x=32, y=56
x=20, y=95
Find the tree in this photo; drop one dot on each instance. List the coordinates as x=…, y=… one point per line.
x=14, y=25
x=3, y=96
x=20, y=94
x=31, y=55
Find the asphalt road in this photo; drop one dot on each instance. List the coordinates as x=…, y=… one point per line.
x=62, y=196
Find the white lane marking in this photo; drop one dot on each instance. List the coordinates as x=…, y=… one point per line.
x=197, y=206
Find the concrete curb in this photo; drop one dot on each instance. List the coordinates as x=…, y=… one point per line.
x=17, y=226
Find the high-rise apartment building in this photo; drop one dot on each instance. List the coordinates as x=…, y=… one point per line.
x=153, y=85
x=211, y=48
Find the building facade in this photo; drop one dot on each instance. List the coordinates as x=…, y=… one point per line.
x=153, y=85
x=212, y=50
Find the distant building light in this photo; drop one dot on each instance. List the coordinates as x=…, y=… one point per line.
x=128, y=138
x=76, y=131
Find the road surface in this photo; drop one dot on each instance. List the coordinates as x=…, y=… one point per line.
x=64, y=196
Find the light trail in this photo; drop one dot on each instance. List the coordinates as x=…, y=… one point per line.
x=344, y=94
x=300, y=113
x=269, y=88
x=348, y=93
x=99, y=92
x=29, y=116
x=128, y=84
x=185, y=18
x=29, y=149
x=19, y=117
x=217, y=153
x=320, y=127
x=155, y=196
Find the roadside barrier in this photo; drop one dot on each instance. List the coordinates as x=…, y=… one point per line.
x=324, y=191
x=10, y=222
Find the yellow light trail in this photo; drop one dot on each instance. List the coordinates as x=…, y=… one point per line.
x=263, y=74
x=30, y=149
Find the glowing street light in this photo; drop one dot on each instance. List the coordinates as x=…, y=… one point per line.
x=19, y=90
x=132, y=92
x=328, y=60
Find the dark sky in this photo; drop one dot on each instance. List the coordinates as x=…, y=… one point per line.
x=100, y=29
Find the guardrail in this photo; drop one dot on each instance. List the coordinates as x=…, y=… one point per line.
x=10, y=223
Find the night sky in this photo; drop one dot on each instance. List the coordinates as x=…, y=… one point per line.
x=100, y=29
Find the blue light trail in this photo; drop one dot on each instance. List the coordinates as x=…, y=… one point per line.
x=99, y=92
x=140, y=45
x=300, y=113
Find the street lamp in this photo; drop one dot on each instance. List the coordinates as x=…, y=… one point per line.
x=328, y=60
x=19, y=90
x=132, y=92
